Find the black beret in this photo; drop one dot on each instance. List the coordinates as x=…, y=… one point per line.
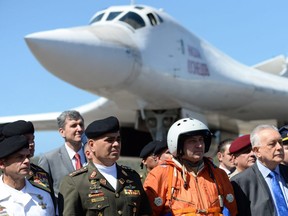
x=240, y=143
x=160, y=146
x=1, y=129
x=284, y=134
x=101, y=127
x=148, y=149
x=20, y=127
x=12, y=144
x=2, y=126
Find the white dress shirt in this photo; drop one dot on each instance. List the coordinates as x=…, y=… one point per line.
x=72, y=153
x=30, y=201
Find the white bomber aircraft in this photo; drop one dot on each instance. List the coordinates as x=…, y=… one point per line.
x=149, y=71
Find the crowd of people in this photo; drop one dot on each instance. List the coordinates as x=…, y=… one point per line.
x=82, y=177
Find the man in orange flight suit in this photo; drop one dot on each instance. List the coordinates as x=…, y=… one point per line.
x=189, y=183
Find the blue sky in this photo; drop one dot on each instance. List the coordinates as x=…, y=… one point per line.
x=248, y=31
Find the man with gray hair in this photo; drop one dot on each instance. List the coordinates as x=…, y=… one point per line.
x=262, y=188
x=70, y=156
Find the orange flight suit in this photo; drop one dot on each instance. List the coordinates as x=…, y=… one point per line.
x=170, y=195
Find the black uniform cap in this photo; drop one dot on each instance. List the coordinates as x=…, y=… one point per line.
x=20, y=127
x=12, y=144
x=101, y=127
x=148, y=149
x=160, y=146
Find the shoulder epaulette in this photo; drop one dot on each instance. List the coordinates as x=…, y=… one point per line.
x=38, y=177
x=40, y=186
x=36, y=168
x=127, y=168
x=79, y=171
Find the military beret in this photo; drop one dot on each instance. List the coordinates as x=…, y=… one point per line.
x=284, y=134
x=160, y=146
x=1, y=129
x=100, y=127
x=148, y=149
x=240, y=143
x=2, y=126
x=20, y=127
x=12, y=144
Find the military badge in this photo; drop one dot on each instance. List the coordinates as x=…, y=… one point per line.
x=158, y=201
x=2, y=208
x=41, y=203
x=230, y=198
x=93, y=174
x=131, y=192
x=97, y=199
x=96, y=193
x=3, y=211
x=122, y=181
x=130, y=186
x=103, y=181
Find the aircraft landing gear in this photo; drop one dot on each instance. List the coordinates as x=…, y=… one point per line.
x=158, y=122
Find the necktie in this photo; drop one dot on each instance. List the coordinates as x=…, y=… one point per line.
x=280, y=203
x=78, y=161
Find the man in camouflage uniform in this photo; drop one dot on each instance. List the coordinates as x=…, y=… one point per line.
x=103, y=187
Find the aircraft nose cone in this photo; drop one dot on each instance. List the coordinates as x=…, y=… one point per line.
x=100, y=57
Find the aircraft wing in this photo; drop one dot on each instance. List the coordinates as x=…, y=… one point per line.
x=100, y=108
x=276, y=65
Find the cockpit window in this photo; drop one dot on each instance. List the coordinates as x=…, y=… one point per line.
x=152, y=19
x=159, y=17
x=97, y=18
x=112, y=15
x=133, y=19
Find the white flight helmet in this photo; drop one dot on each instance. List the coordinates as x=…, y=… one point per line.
x=183, y=128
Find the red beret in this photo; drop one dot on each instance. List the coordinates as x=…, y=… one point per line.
x=240, y=143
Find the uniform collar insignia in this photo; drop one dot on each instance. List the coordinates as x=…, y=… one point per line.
x=103, y=181
x=122, y=181
x=93, y=174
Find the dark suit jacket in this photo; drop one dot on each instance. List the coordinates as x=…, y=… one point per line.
x=87, y=192
x=252, y=192
x=58, y=164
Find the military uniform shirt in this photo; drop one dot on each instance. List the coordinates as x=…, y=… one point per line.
x=30, y=201
x=87, y=192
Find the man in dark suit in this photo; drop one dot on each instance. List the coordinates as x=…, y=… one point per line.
x=62, y=161
x=253, y=187
x=103, y=187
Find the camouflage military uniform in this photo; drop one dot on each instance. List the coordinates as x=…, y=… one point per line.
x=87, y=192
